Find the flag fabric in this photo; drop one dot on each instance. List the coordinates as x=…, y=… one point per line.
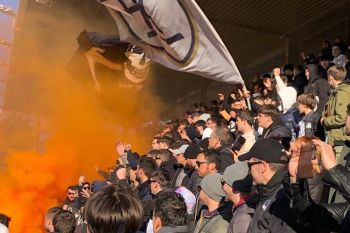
x=176, y=34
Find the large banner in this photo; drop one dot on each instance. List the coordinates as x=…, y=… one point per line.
x=8, y=9
x=176, y=34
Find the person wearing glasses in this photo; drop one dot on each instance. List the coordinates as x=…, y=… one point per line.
x=267, y=162
x=71, y=201
x=208, y=162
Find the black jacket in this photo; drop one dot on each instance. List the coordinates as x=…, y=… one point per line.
x=273, y=213
x=325, y=217
x=279, y=131
x=299, y=81
x=226, y=158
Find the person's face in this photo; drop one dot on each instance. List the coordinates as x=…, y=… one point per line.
x=301, y=108
x=264, y=121
x=240, y=124
x=162, y=145
x=191, y=163
x=233, y=114
x=203, y=197
x=228, y=191
x=289, y=72
x=71, y=194
x=154, y=185
x=267, y=82
x=213, y=142
x=335, y=51
x=180, y=159
x=210, y=124
x=256, y=171
x=331, y=80
x=86, y=187
x=132, y=175
x=307, y=74
x=202, y=165
x=190, y=120
x=155, y=145
x=181, y=127
x=138, y=174
x=324, y=64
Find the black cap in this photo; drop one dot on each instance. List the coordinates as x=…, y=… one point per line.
x=192, y=151
x=266, y=149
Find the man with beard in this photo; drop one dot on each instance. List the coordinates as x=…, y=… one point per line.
x=144, y=170
x=187, y=164
x=143, y=175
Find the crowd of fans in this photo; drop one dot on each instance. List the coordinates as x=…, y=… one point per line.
x=272, y=159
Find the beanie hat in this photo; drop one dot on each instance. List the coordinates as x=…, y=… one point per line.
x=211, y=185
x=192, y=151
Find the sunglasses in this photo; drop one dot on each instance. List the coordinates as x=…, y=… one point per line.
x=86, y=187
x=69, y=193
x=250, y=164
x=199, y=163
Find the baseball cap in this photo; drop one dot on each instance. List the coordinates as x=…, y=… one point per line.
x=236, y=176
x=266, y=149
x=180, y=150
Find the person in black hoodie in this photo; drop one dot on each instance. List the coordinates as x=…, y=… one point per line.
x=317, y=86
x=269, y=120
x=299, y=80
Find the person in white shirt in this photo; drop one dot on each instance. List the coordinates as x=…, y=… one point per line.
x=287, y=94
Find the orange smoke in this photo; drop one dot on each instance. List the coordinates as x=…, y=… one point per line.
x=82, y=130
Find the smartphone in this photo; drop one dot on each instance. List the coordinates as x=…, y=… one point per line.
x=237, y=145
x=307, y=153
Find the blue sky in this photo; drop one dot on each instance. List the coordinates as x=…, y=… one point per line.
x=6, y=31
x=12, y=3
